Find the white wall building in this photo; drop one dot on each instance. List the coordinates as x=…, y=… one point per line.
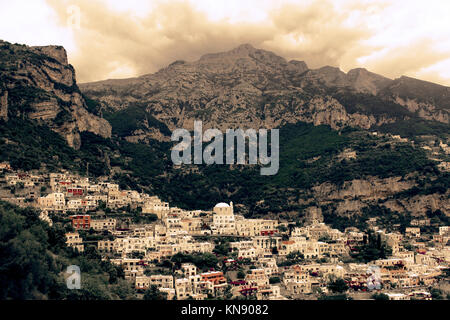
x=223, y=219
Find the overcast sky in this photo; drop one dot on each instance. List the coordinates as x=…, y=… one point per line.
x=125, y=38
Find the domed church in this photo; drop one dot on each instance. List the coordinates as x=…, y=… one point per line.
x=223, y=219
x=223, y=208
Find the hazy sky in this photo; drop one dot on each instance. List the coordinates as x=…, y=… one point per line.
x=124, y=38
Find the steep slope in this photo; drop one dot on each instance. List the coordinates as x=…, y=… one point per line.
x=37, y=83
x=429, y=100
x=341, y=175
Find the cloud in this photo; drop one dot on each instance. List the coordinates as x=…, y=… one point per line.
x=319, y=34
x=109, y=40
x=409, y=60
x=117, y=44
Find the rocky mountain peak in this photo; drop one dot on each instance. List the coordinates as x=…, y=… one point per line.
x=250, y=87
x=245, y=48
x=299, y=66
x=244, y=57
x=241, y=51
x=363, y=80
x=327, y=76
x=56, y=52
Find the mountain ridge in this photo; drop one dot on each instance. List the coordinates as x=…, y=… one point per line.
x=250, y=87
x=245, y=50
x=325, y=165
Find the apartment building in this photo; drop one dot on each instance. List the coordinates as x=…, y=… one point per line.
x=297, y=281
x=257, y=277
x=269, y=265
x=188, y=269
x=74, y=240
x=413, y=232
x=103, y=224
x=132, y=267
x=324, y=270
x=159, y=280
x=266, y=242
x=216, y=278
x=154, y=205
x=269, y=292
x=193, y=226
x=53, y=202
x=82, y=222
x=248, y=253
x=255, y=227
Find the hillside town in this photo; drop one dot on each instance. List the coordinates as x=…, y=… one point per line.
x=198, y=254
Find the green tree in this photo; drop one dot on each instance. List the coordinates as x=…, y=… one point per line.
x=295, y=257
x=380, y=296
x=372, y=249
x=153, y=293
x=273, y=280
x=222, y=249
x=338, y=286
x=436, y=294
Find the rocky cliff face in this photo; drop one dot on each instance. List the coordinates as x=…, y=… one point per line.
x=372, y=188
x=353, y=197
x=37, y=83
x=252, y=88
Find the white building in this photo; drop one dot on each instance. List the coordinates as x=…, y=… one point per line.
x=53, y=202
x=223, y=219
x=74, y=240
x=103, y=224
x=154, y=205
x=254, y=227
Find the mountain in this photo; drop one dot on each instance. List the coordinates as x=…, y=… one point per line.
x=326, y=168
x=333, y=166
x=37, y=83
x=249, y=87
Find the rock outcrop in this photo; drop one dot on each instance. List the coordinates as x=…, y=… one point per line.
x=353, y=196
x=37, y=83
x=372, y=188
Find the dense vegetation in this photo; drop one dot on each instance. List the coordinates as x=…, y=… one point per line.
x=131, y=119
x=308, y=156
x=28, y=145
x=412, y=128
x=370, y=104
x=385, y=217
x=407, y=124
x=373, y=248
x=203, y=261
x=34, y=258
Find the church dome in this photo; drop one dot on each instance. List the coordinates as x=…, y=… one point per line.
x=222, y=205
